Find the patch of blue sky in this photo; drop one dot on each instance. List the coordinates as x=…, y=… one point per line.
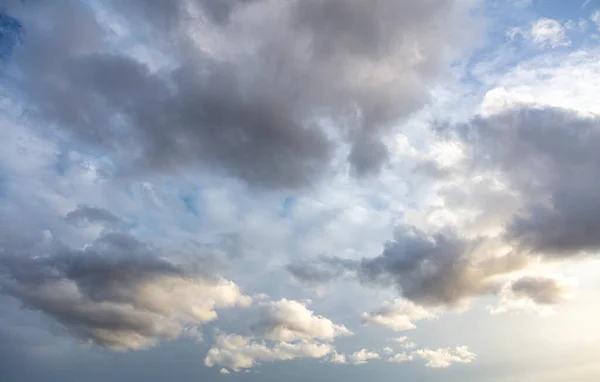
x=287, y=206
x=501, y=16
x=564, y=10
x=11, y=31
x=191, y=204
x=499, y=52
x=62, y=163
x=378, y=204
x=3, y=183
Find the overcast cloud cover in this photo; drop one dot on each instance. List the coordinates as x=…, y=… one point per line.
x=301, y=190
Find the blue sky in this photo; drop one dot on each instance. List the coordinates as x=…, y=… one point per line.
x=259, y=190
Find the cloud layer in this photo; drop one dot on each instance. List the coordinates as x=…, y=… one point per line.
x=265, y=91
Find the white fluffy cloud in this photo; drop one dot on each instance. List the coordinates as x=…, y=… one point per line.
x=236, y=352
x=398, y=315
x=445, y=357
x=439, y=358
x=400, y=358
x=357, y=358
x=290, y=320
x=362, y=356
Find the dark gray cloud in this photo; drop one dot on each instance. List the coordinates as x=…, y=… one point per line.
x=431, y=270
x=540, y=289
x=264, y=91
x=549, y=158
x=533, y=294
x=117, y=292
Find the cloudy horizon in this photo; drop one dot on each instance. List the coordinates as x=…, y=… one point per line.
x=301, y=189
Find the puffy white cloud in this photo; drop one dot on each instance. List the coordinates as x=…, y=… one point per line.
x=362, y=356
x=400, y=358
x=445, y=357
x=398, y=315
x=290, y=320
x=357, y=358
x=439, y=358
x=236, y=352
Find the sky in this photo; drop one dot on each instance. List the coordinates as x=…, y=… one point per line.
x=258, y=190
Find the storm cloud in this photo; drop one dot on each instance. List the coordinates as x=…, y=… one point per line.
x=272, y=93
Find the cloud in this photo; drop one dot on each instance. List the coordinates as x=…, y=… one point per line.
x=337, y=358
x=441, y=269
x=404, y=342
x=548, y=32
x=237, y=353
x=595, y=17
x=547, y=156
x=398, y=315
x=541, y=290
x=117, y=292
x=400, y=358
x=289, y=320
x=543, y=33
x=89, y=214
x=440, y=358
x=445, y=357
x=362, y=357
x=558, y=79
x=529, y=172
x=268, y=92
x=533, y=293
